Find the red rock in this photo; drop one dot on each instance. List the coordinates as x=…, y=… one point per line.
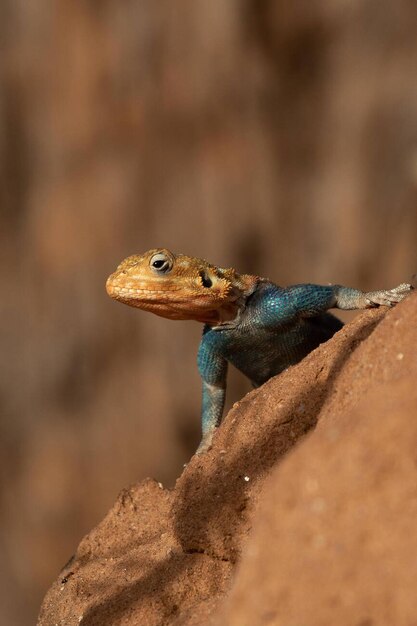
x=334, y=536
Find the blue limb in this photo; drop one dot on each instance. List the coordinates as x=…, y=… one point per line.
x=213, y=370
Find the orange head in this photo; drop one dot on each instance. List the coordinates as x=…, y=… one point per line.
x=179, y=287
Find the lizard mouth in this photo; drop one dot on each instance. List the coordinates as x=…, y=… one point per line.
x=120, y=292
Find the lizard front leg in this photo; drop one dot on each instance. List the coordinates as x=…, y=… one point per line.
x=309, y=300
x=347, y=298
x=213, y=370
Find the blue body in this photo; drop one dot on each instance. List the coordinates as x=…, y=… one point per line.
x=276, y=329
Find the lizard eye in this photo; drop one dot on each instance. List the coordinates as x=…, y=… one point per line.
x=161, y=263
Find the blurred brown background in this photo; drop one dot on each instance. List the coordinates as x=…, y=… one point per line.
x=277, y=137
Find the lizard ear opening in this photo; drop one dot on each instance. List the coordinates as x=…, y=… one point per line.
x=206, y=280
x=161, y=263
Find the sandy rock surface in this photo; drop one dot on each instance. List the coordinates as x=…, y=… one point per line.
x=274, y=525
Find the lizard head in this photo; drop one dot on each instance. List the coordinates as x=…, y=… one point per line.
x=180, y=287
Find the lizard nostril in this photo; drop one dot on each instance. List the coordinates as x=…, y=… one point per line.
x=206, y=280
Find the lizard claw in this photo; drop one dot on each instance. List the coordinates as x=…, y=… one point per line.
x=389, y=297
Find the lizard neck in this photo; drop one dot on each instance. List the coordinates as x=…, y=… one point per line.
x=228, y=315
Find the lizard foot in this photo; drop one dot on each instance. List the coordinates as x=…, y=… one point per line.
x=389, y=297
x=206, y=442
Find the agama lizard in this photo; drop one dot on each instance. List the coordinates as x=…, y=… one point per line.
x=249, y=321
